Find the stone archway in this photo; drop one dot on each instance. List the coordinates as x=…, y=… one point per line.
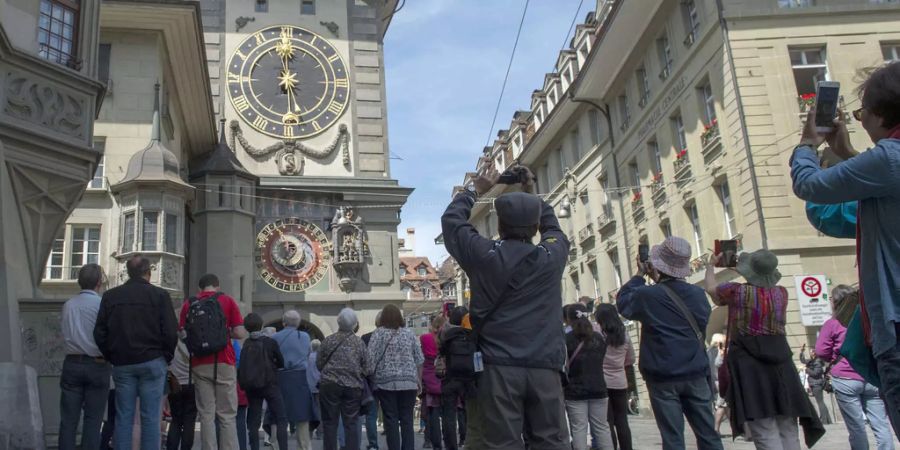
x=305, y=325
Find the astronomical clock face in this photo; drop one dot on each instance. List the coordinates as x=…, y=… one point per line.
x=288, y=82
x=292, y=254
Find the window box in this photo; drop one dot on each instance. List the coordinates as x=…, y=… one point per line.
x=664, y=73
x=658, y=189
x=637, y=208
x=604, y=221
x=699, y=263
x=586, y=233
x=690, y=39
x=573, y=254
x=643, y=101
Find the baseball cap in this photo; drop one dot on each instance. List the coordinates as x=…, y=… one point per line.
x=518, y=209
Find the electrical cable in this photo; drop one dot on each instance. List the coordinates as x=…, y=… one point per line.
x=512, y=56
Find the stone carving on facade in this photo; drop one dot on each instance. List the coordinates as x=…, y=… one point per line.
x=289, y=153
x=350, y=246
x=242, y=22
x=43, y=104
x=170, y=274
x=332, y=27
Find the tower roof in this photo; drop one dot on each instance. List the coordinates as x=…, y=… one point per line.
x=155, y=163
x=222, y=160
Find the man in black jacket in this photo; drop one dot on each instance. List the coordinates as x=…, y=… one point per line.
x=522, y=342
x=136, y=331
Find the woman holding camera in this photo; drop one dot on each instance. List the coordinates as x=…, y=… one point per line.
x=763, y=391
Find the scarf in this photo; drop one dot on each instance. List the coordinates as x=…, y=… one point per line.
x=894, y=133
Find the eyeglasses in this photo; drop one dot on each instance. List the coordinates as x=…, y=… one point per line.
x=857, y=114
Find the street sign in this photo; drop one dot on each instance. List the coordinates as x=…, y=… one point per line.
x=812, y=295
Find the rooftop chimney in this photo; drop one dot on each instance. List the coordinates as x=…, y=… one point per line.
x=411, y=240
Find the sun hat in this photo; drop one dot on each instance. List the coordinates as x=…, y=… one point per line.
x=759, y=268
x=672, y=257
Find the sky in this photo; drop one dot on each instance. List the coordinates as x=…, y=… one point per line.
x=445, y=61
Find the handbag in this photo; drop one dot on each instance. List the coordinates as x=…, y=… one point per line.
x=858, y=354
x=440, y=367
x=828, y=387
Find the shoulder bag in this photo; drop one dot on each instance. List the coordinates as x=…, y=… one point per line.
x=828, y=387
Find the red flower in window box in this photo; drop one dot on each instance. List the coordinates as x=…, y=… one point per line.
x=681, y=155
x=637, y=197
x=807, y=97
x=657, y=177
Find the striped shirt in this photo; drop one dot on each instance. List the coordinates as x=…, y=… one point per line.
x=754, y=311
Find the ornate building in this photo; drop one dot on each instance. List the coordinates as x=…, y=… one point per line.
x=242, y=138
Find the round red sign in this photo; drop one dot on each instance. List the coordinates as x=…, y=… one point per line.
x=811, y=287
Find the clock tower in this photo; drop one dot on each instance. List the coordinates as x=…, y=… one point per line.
x=300, y=85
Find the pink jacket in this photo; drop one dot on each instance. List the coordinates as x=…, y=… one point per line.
x=430, y=381
x=617, y=358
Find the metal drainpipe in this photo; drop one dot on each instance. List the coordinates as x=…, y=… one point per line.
x=723, y=24
x=612, y=144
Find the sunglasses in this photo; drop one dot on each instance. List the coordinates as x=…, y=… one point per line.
x=857, y=114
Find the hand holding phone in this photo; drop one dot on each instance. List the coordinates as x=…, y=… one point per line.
x=827, y=97
x=643, y=253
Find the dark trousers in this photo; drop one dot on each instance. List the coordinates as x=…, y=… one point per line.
x=85, y=387
x=513, y=402
x=819, y=395
x=372, y=425
x=340, y=404
x=450, y=415
x=240, y=422
x=110, y=424
x=672, y=402
x=617, y=415
x=397, y=408
x=275, y=404
x=889, y=373
x=433, y=429
x=183, y=406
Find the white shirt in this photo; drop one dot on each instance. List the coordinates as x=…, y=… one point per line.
x=79, y=316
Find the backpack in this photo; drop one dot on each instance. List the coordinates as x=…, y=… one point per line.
x=459, y=351
x=256, y=370
x=206, y=327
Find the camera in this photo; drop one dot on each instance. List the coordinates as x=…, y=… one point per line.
x=515, y=174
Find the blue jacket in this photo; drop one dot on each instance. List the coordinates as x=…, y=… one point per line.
x=295, y=347
x=526, y=330
x=670, y=351
x=872, y=178
x=837, y=221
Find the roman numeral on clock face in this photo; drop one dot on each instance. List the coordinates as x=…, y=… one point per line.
x=260, y=122
x=288, y=131
x=335, y=107
x=259, y=38
x=333, y=57
x=316, y=126
x=341, y=82
x=241, y=103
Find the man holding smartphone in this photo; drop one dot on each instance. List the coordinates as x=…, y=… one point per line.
x=873, y=179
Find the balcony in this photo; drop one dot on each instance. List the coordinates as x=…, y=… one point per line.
x=573, y=254
x=699, y=263
x=691, y=38
x=605, y=220
x=586, y=233
x=682, y=167
x=637, y=208
x=712, y=142
x=658, y=190
x=643, y=101
x=664, y=73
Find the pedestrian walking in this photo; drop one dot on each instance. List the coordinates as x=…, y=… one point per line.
x=673, y=361
x=342, y=363
x=182, y=403
x=431, y=385
x=619, y=355
x=455, y=343
x=585, y=393
x=815, y=378
x=516, y=293
x=137, y=332
x=313, y=376
x=716, y=355
x=210, y=320
x=394, y=358
x=871, y=178
x=763, y=390
x=372, y=410
x=240, y=420
x=295, y=347
x=257, y=374
x=859, y=402
x=84, y=382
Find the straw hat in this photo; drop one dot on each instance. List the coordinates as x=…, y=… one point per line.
x=759, y=268
x=672, y=257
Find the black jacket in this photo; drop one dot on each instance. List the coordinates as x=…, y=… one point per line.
x=136, y=324
x=586, y=381
x=271, y=355
x=525, y=331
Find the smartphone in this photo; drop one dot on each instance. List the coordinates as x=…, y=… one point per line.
x=644, y=253
x=827, y=96
x=728, y=249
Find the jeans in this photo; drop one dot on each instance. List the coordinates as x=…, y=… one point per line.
x=106, y=435
x=449, y=419
x=855, y=398
x=240, y=422
x=673, y=401
x=397, y=407
x=145, y=381
x=888, y=365
x=775, y=433
x=372, y=425
x=584, y=413
x=617, y=415
x=824, y=415
x=85, y=386
x=216, y=401
x=184, y=415
x=275, y=404
x=340, y=404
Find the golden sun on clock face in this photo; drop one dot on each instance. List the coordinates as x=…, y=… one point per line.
x=288, y=82
x=292, y=255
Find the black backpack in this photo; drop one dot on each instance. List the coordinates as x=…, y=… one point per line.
x=255, y=371
x=459, y=351
x=206, y=327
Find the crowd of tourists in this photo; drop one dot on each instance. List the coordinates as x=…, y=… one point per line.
x=515, y=370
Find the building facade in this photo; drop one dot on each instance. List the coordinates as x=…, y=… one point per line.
x=245, y=139
x=687, y=130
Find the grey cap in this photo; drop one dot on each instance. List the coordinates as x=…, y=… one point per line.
x=519, y=209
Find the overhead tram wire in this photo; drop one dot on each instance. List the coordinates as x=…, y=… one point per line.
x=512, y=56
x=571, y=27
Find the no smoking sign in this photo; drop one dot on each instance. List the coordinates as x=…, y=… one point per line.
x=815, y=308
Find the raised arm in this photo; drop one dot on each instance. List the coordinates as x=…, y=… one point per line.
x=462, y=240
x=629, y=306
x=709, y=282
x=552, y=236
x=871, y=174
